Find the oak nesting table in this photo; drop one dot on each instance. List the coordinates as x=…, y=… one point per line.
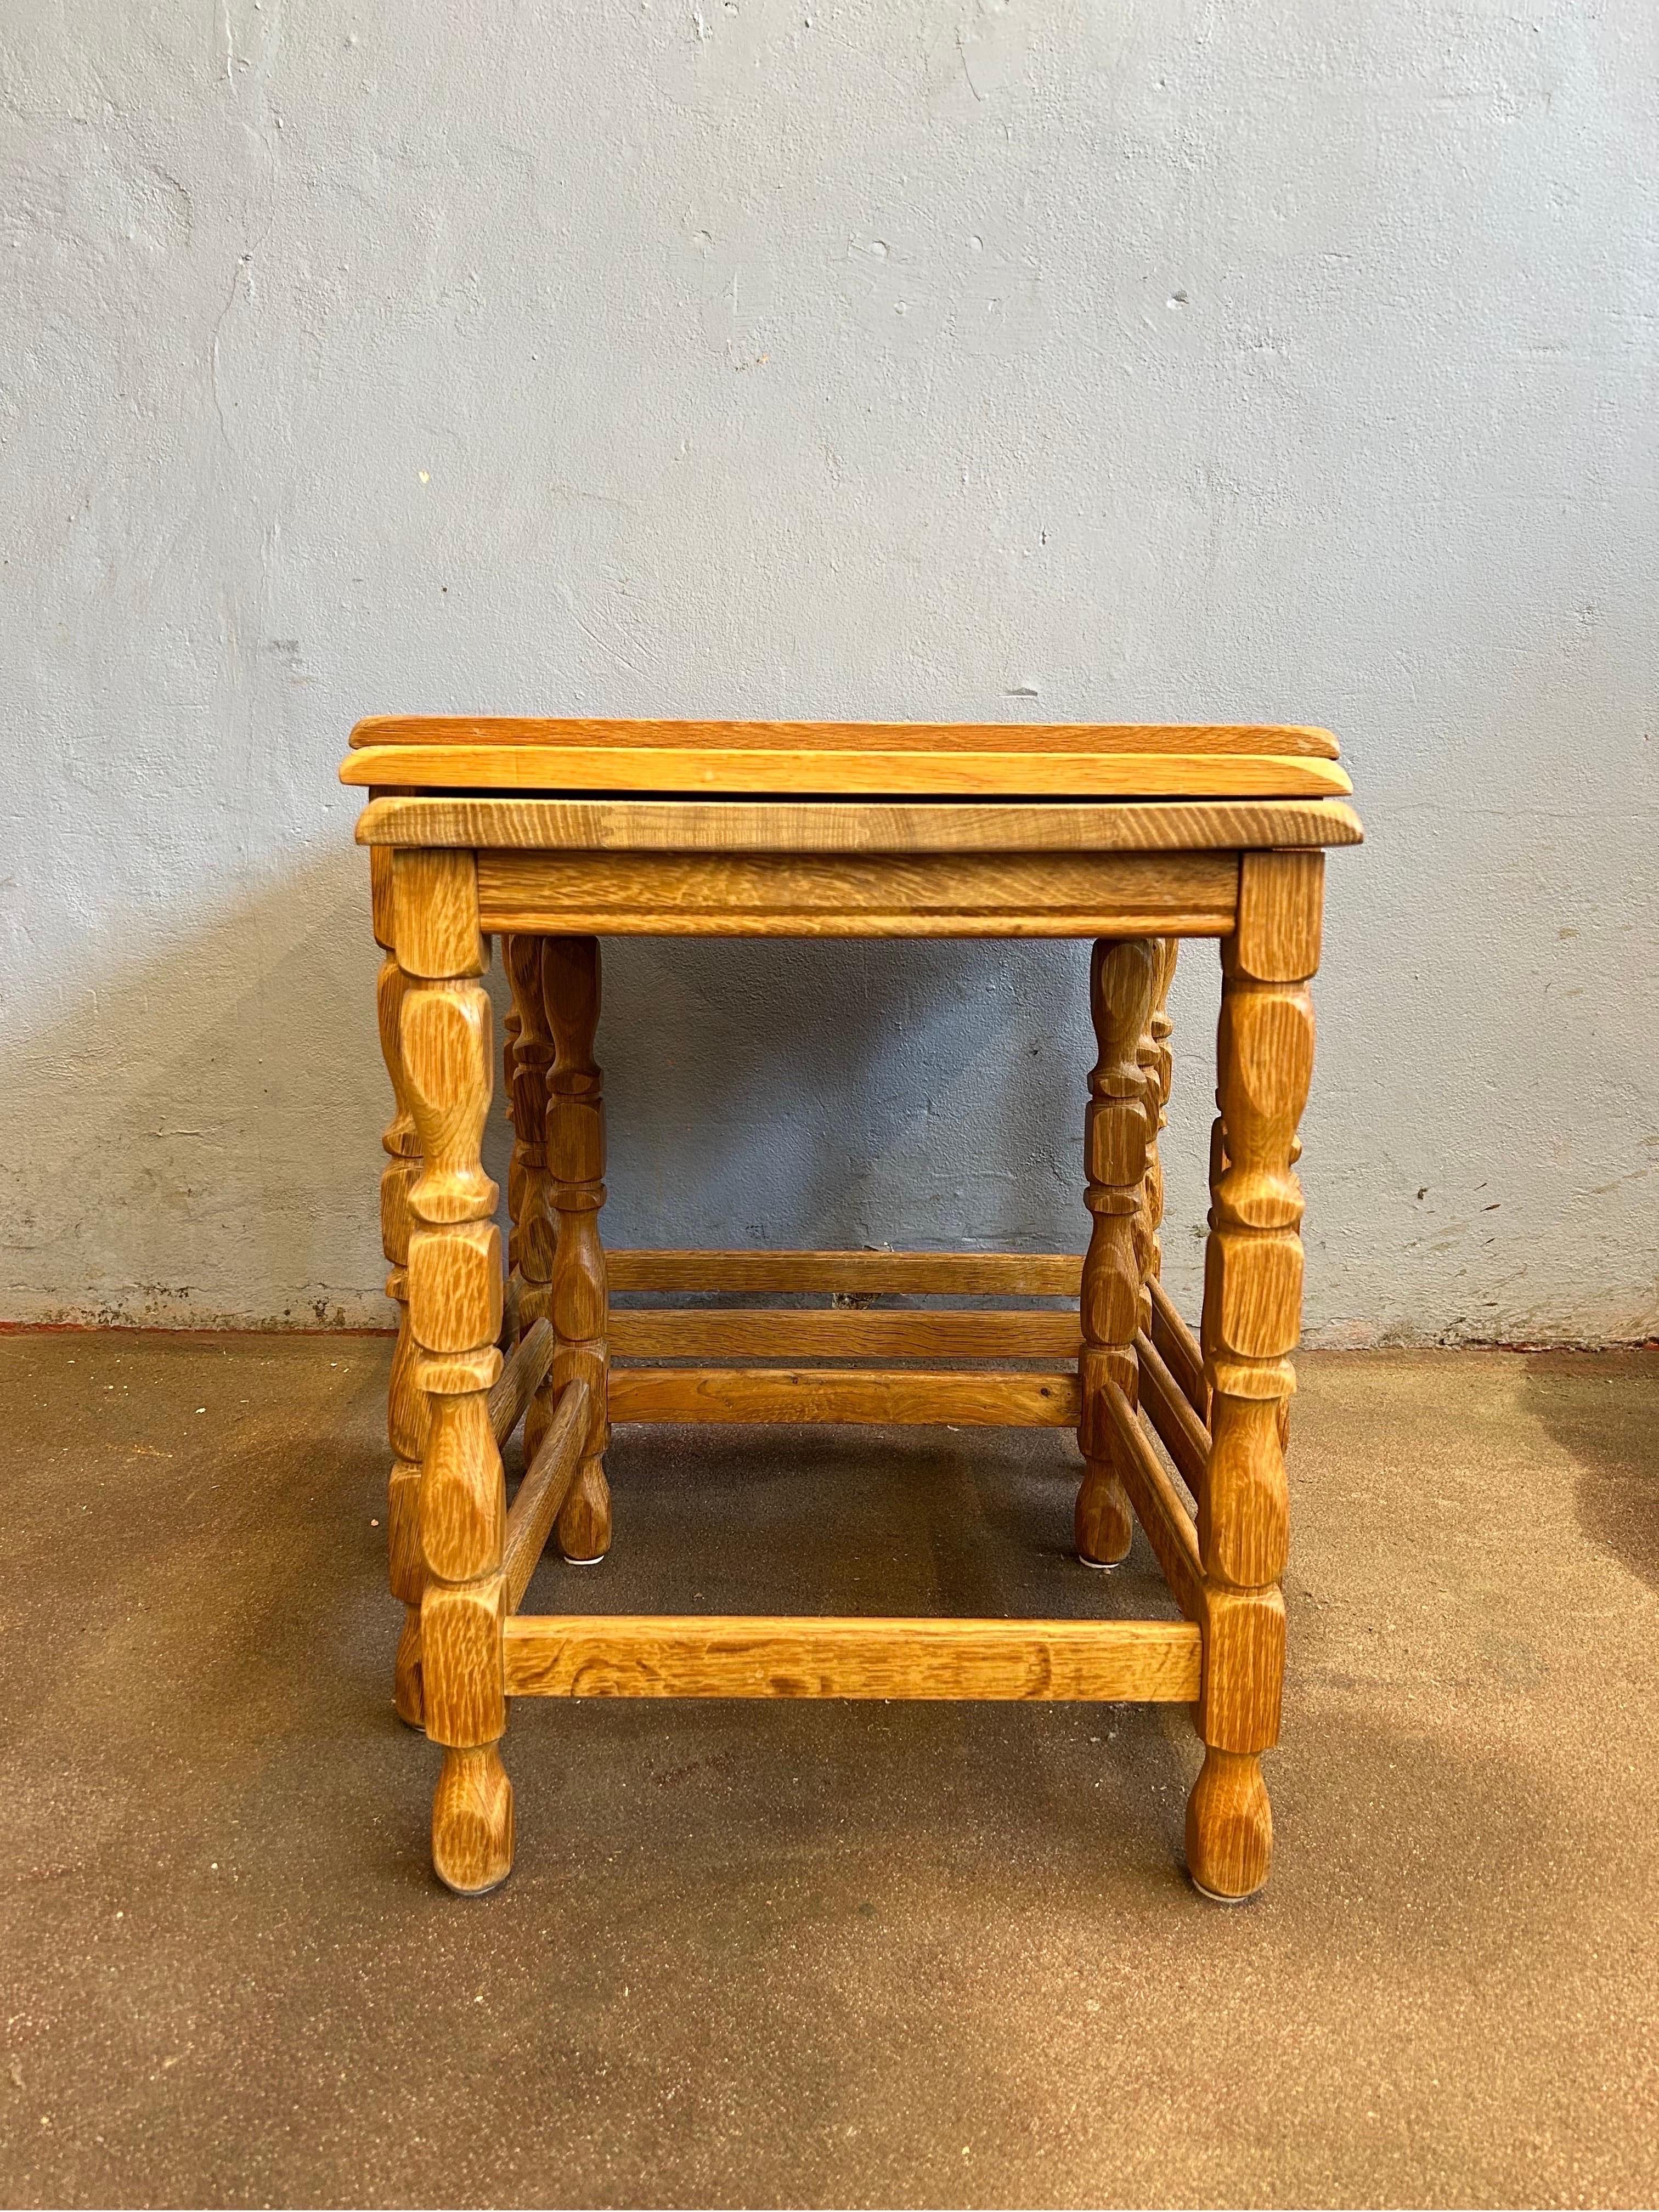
x=552, y=835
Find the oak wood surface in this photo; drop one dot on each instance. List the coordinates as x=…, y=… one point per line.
x=381, y=919
x=434, y=913
x=1018, y=1400
x=666, y=1333
x=529, y=1184
x=966, y=772
x=1118, y=1123
x=711, y=1656
x=578, y=1295
x=1230, y=1826
x=1165, y=1403
x=546, y=1484
x=454, y=1290
x=1158, y=1070
x=751, y=825
x=1179, y=1349
x=511, y=1313
x=1251, y=1321
x=1281, y=905
x=406, y=1409
x=519, y=1379
x=526, y=1058
x=1133, y=836
x=962, y=1274
x=879, y=736
x=925, y=894
x=1157, y=1504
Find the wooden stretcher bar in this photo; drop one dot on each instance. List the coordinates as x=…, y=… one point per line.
x=712, y=1656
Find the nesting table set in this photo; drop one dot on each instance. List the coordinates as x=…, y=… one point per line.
x=552, y=834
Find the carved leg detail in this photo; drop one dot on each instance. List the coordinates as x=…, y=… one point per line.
x=455, y=1293
x=406, y=1420
x=1252, y=1320
x=579, y=1304
x=512, y=1026
x=532, y=1245
x=1122, y=983
x=1157, y=1066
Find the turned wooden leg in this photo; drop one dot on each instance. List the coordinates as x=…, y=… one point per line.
x=455, y=1290
x=530, y=1247
x=1157, y=1068
x=1252, y=1319
x=579, y=1304
x=406, y=1418
x=511, y=1027
x=1122, y=983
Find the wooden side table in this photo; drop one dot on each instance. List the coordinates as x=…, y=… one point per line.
x=553, y=833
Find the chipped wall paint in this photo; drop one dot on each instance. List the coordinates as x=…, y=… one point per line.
x=1143, y=358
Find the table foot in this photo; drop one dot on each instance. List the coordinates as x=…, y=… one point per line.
x=1229, y=1827
x=472, y=1822
x=584, y=1522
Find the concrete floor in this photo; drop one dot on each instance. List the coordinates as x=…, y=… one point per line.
x=911, y=1954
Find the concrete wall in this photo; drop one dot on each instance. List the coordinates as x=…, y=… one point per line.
x=1140, y=358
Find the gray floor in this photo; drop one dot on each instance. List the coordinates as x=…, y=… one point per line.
x=819, y=1953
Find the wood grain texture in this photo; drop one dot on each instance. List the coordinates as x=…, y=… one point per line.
x=526, y=1091
x=1156, y=1502
x=463, y=1705
x=472, y=1822
x=520, y=1379
x=703, y=1655
x=380, y=882
x=1158, y=1069
x=751, y=825
x=1180, y=1350
x=546, y=1484
x=463, y=1501
x=1229, y=1827
x=434, y=913
x=1281, y=902
x=408, y=1698
x=1117, y=1129
x=512, y=1029
x=578, y=1296
x=663, y=1333
x=445, y=1035
x=455, y=1286
x=454, y=1277
x=1017, y=1400
x=442, y=730
x=896, y=830
x=406, y=1568
x=807, y=895
x=406, y=1410
x=406, y=1576
x=820, y=772
x=397, y=1138
x=958, y=1274
x=1165, y=1404
x=511, y=1302
x=1252, y=1319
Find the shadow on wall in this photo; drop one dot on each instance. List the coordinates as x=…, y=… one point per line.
x=195, y=1142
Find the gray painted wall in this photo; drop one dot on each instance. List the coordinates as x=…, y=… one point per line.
x=1142, y=358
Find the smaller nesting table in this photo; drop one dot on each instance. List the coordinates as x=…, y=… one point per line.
x=552, y=835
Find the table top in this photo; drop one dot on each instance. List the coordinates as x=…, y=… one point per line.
x=826, y=762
